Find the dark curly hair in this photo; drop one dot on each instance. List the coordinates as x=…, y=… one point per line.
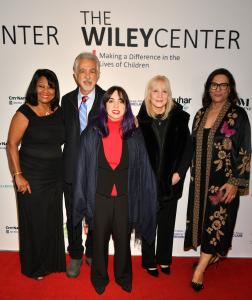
x=232, y=97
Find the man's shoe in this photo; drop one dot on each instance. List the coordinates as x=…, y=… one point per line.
x=73, y=270
x=88, y=261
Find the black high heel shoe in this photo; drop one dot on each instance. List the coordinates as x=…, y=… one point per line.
x=166, y=270
x=99, y=289
x=152, y=272
x=196, y=286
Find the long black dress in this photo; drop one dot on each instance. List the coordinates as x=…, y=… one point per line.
x=42, y=249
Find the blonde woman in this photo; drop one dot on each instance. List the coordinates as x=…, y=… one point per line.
x=165, y=128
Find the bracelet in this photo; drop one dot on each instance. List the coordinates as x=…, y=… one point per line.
x=17, y=173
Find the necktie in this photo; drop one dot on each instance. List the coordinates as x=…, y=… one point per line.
x=83, y=113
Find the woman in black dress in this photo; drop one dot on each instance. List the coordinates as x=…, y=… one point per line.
x=37, y=173
x=219, y=171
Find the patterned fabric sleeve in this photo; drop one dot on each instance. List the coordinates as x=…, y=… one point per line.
x=197, y=119
x=241, y=178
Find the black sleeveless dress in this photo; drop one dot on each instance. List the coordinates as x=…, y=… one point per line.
x=42, y=249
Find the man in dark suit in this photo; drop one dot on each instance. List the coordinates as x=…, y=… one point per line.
x=86, y=74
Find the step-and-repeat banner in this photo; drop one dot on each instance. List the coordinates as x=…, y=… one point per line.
x=134, y=40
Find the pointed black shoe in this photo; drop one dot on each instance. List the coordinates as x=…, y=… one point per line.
x=165, y=270
x=197, y=287
x=127, y=288
x=99, y=289
x=153, y=272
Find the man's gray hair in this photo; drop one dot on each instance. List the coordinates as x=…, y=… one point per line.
x=89, y=56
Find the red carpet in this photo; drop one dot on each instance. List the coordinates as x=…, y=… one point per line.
x=231, y=280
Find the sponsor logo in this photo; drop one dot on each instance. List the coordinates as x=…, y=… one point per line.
x=184, y=101
x=238, y=234
x=179, y=234
x=136, y=103
x=3, y=186
x=245, y=103
x=250, y=238
x=16, y=100
x=3, y=145
x=11, y=229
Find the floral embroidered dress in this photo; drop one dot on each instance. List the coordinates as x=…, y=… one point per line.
x=221, y=155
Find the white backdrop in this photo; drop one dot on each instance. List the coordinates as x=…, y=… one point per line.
x=185, y=40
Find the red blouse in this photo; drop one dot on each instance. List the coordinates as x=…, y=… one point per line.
x=112, y=145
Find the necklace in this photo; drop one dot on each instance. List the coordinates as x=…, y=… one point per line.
x=44, y=110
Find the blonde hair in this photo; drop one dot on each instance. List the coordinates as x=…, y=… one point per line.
x=147, y=97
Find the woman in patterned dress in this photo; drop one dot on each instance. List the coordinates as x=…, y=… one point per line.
x=219, y=171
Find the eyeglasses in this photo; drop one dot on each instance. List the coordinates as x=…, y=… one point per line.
x=222, y=86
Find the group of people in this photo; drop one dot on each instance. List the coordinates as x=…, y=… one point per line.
x=122, y=173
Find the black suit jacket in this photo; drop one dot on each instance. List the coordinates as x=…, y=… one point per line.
x=69, y=104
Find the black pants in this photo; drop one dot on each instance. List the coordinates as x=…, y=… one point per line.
x=75, y=247
x=165, y=230
x=111, y=217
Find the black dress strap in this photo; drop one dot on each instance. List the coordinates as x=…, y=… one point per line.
x=26, y=111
